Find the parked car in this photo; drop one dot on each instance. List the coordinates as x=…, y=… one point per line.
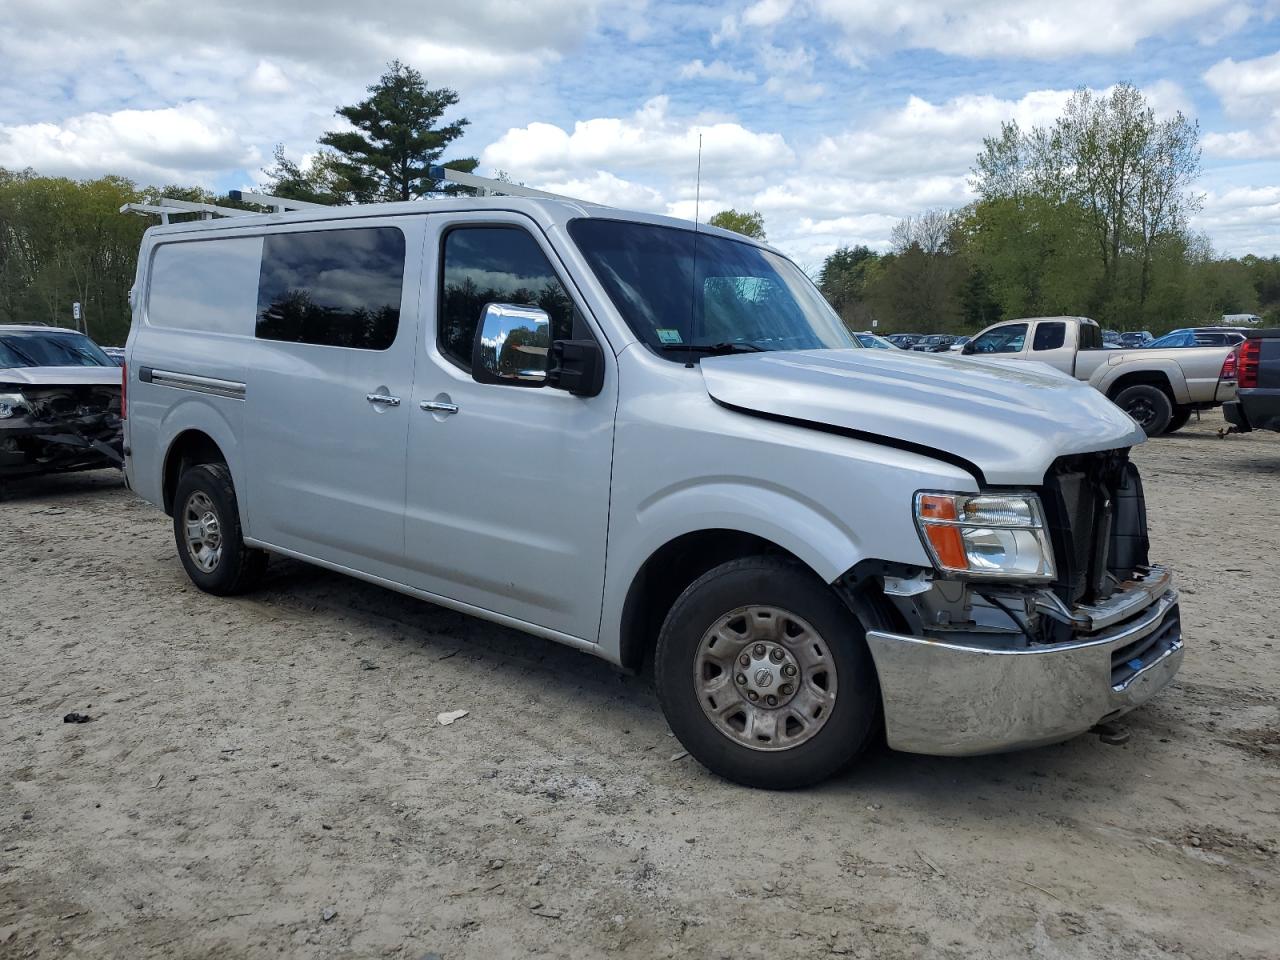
x=1135, y=338
x=934, y=343
x=59, y=402
x=904, y=341
x=116, y=354
x=1157, y=387
x=1111, y=339
x=868, y=339
x=959, y=343
x=512, y=407
x=1197, y=337
x=1257, y=406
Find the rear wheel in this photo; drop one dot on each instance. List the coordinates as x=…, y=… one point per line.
x=764, y=675
x=1179, y=419
x=1149, y=405
x=206, y=526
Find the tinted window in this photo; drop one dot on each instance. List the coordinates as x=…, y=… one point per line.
x=1050, y=336
x=29, y=349
x=338, y=288
x=1007, y=339
x=209, y=285
x=484, y=265
x=1091, y=337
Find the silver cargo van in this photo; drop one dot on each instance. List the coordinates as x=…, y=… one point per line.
x=657, y=444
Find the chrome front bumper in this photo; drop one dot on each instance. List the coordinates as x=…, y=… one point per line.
x=950, y=700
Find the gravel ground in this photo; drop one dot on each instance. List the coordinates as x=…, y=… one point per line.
x=265, y=776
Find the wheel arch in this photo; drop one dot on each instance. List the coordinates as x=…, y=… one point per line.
x=1166, y=377
x=666, y=573
x=189, y=448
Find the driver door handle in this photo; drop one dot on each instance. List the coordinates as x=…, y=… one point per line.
x=383, y=399
x=438, y=406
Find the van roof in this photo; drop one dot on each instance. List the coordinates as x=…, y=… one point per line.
x=549, y=214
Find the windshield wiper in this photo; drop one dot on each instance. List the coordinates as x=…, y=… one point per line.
x=725, y=346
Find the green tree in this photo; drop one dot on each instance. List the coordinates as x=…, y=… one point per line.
x=320, y=181
x=749, y=224
x=398, y=137
x=1128, y=174
x=843, y=281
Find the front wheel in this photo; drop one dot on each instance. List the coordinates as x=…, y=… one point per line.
x=764, y=675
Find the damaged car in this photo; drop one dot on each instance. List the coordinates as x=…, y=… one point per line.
x=656, y=442
x=60, y=399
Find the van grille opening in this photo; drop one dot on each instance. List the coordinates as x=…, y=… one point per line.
x=1097, y=517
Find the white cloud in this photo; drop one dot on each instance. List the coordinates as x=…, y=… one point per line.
x=649, y=140
x=168, y=144
x=267, y=78
x=1249, y=90
x=715, y=70
x=1246, y=87
x=1241, y=219
x=766, y=13
x=1002, y=28
x=610, y=190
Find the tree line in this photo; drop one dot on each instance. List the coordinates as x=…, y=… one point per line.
x=1088, y=215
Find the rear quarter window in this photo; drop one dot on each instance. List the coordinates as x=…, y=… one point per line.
x=205, y=285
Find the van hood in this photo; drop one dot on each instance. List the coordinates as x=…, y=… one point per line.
x=1008, y=420
x=61, y=376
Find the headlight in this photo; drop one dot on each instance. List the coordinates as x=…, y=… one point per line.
x=12, y=404
x=987, y=535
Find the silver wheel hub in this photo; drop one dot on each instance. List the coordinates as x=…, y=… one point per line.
x=765, y=678
x=203, y=531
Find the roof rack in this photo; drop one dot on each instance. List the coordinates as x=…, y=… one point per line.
x=166, y=207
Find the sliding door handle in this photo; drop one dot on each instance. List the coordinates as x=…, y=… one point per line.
x=383, y=399
x=438, y=406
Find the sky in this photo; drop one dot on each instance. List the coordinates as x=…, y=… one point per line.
x=832, y=118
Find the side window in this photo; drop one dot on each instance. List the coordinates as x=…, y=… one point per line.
x=1050, y=336
x=1007, y=339
x=335, y=288
x=1090, y=337
x=482, y=265
x=206, y=285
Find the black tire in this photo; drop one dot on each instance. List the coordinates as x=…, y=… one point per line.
x=236, y=568
x=1149, y=405
x=772, y=582
x=1179, y=420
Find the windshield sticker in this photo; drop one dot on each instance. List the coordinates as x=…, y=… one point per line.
x=667, y=335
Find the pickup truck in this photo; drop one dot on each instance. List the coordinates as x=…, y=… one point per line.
x=655, y=442
x=1159, y=388
x=1258, y=370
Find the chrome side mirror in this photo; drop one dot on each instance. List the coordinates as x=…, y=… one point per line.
x=511, y=345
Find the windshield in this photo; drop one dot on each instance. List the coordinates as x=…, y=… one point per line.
x=730, y=296
x=35, y=349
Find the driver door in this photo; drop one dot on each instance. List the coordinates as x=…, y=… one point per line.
x=508, y=482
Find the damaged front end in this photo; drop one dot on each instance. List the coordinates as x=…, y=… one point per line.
x=55, y=428
x=990, y=664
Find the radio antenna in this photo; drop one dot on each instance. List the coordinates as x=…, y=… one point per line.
x=693, y=268
x=697, y=190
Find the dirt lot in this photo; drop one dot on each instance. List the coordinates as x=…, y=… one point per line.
x=254, y=764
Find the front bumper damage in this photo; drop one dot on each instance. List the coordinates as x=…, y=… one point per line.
x=968, y=695
x=63, y=429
